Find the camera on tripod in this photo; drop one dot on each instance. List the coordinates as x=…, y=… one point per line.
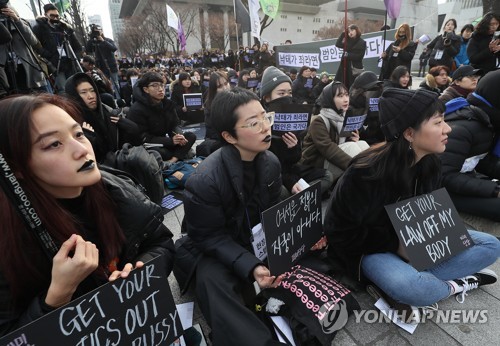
x=95, y=31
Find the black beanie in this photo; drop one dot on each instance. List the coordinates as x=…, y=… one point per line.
x=487, y=87
x=271, y=78
x=400, y=109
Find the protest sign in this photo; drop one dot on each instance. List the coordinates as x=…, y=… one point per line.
x=290, y=118
x=352, y=123
x=325, y=56
x=292, y=227
x=193, y=101
x=136, y=311
x=252, y=83
x=429, y=228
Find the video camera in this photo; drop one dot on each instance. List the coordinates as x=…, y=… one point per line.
x=95, y=31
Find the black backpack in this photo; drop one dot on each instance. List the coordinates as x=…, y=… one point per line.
x=145, y=166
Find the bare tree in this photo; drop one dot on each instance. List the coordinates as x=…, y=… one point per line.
x=77, y=16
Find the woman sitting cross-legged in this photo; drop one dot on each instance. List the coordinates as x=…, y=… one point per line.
x=363, y=242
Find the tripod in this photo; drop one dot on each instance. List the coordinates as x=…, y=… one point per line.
x=113, y=76
x=14, y=59
x=65, y=50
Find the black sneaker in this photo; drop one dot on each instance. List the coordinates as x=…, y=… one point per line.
x=471, y=282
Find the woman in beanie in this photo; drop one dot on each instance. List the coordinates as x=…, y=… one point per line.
x=324, y=80
x=323, y=146
x=276, y=89
x=363, y=242
x=437, y=80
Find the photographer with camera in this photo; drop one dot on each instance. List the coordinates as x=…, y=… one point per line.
x=103, y=49
x=21, y=71
x=54, y=36
x=445, y=46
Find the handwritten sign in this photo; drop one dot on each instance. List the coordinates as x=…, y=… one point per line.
x=352, y=123
x=429, y=228
x=292, y=227
x=136, y=311
x=193, y=101
x=290, y=118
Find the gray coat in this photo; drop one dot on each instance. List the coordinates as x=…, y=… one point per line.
x=34, y=78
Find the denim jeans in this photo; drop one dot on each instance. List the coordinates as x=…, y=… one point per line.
x=405, y=284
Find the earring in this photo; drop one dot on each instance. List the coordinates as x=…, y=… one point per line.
x=409, y=147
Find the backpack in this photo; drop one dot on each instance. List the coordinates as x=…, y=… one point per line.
x=143, y=165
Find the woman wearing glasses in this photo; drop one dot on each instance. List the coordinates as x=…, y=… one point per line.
x=223, y=200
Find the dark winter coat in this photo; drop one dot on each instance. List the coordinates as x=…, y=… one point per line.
x=302, y=90
x=104, y=52
x=450, y=49
x=214, y=204
x=154, y=121
x=479, y=52
x=107, y=136
x=51, y=38
x=146, y=237
x=353, y=55
x=393, y=59
x=472, y=134
x=356, y=223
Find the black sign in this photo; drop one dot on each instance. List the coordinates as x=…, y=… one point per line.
x=136, y=311
x=429, y=228
x=252, y=83
x=352, y=123
x=290, y=118
x=171, y=201
x=193, y=101
x=292, y=227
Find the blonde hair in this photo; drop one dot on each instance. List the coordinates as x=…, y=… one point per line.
x=404, y=43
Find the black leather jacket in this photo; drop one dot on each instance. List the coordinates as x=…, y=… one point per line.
x=146, y=237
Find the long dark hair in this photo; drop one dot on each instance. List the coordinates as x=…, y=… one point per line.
x=213, y=85
x=23, y=263
x=391, y=162
x=483, y=27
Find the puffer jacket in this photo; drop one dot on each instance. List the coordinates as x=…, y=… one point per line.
x=146, y=237
x=472, y=135
x=214, y=203
x=154, y=121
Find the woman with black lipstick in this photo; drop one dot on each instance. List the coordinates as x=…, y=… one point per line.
x=102, y=225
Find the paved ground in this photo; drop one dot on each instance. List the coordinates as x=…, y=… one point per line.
x=485, y=301
x=431, y=332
